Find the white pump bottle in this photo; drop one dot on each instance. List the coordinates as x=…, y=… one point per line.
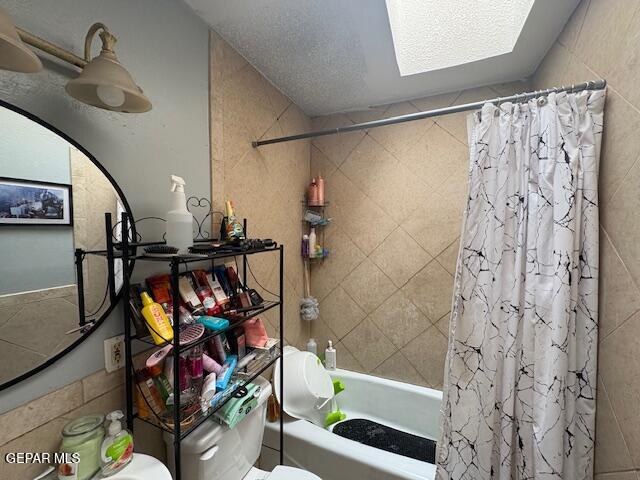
x=179, y=219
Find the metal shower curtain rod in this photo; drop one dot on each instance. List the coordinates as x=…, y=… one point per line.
x=591, y=85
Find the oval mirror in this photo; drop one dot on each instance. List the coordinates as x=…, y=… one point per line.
x=53, y=198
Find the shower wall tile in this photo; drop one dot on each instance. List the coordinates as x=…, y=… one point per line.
x=600, y=41
x=612, y=453
x=267, y=184
x=397, y=194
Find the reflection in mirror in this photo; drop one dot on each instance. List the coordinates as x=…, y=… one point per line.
x=52, y=201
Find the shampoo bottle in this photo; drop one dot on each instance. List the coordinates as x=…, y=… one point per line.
x=179, y=219
x=320, y=191
x=312, y=243
x=156, y=320
x=117, y=447
x=330, y=357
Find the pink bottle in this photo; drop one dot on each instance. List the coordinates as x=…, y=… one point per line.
x=312, y=194
x=320, y=191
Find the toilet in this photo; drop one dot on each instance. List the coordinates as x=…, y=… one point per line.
x=215, y=452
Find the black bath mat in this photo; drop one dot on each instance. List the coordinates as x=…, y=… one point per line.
x=386, y=438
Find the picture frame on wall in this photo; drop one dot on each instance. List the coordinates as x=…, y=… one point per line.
x=33, y=203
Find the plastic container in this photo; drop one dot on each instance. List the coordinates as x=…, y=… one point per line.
x=117, y=448
x=156, y=319
x=308, y=385
x=84, y=436
x=179, y=219
x=330, y=357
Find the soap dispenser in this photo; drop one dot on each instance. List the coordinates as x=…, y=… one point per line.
x=117, y=447
x=179, y=219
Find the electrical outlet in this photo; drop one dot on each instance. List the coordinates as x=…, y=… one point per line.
x=114, y=353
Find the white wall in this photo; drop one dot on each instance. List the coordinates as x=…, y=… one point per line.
x=165, y=47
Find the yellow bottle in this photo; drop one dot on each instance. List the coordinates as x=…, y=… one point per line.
x=156, y=319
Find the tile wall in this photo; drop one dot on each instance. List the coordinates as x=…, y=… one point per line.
x=601, y=41
x=396, y=196
x=266, y=184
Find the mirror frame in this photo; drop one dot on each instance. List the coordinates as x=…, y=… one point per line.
x=50, y=361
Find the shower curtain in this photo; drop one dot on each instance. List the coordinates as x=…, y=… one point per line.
x=520, y=375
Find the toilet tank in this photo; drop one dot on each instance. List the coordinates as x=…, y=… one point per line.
x=215, y=452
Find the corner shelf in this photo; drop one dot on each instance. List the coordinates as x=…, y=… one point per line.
x=127, y=252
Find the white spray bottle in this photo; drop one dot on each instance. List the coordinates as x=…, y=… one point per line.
x=179, y=219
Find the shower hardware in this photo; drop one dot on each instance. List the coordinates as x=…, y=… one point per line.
x=520, y=97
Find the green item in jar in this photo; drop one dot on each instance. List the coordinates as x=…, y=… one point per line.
x=84, y=436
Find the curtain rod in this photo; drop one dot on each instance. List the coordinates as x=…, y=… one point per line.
x=593, y=85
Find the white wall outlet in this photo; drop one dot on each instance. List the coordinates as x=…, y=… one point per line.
x=114, y=353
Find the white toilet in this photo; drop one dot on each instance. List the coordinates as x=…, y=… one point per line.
x=215, y=452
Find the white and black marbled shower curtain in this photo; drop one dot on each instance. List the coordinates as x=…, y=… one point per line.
x=520, y=377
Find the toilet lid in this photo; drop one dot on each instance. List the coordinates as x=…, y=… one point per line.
x=290, y=473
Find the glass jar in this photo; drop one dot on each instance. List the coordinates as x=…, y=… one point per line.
x=84, y=436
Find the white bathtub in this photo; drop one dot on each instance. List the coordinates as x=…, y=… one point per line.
x=399, y=405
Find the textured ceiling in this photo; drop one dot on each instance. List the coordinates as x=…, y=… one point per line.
x=338, y=55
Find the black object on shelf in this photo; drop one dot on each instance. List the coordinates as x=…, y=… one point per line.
x=128, y=252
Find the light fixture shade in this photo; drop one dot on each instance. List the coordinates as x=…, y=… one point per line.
x=105, y=73
x=14, y=54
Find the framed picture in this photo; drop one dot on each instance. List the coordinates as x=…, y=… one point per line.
x=27, y=202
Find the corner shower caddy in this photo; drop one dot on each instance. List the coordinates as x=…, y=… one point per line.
x=126, y=251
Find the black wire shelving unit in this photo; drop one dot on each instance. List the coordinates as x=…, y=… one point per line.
x=127, y=251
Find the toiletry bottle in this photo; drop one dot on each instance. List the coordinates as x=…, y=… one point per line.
x=179, y=219
x=312, y=243
x=117, y=447
x=312, y=193
x=330, y=357
x=304, y=249
x=156, y=319
x=234, y=228
x=320, y=191
x=312, y=346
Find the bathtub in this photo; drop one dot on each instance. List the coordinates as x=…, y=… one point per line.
x=399, y=405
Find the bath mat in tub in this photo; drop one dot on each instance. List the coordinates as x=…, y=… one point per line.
x=386, y=438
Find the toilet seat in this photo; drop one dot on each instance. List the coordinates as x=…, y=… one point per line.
x=280, y=473
x=291, y=473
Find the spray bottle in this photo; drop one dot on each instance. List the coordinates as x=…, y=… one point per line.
x=179, y=219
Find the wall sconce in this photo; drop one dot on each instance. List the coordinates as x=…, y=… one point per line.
x=103, y=81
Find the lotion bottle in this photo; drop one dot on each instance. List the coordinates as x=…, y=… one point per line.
x=156, y=320
x=330, y=357
x=179, y=219
x=117, y=448
x=320, y=183
x=312, y=243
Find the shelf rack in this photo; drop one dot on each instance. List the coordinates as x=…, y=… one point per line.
x=127, y=251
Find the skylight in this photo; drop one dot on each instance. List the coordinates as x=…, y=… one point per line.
x=434, y=34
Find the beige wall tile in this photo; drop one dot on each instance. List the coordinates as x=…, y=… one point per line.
x=436, y=101
x=322, y=334
x=108, y=402
x=29, y=416
x=397, y=367
x=606, y=20
x=622, y=122
x=619, y=295
x=617, y=476
x=431, y=291
x=397, y=139
x=427, y=354
x=336, y=147
x=436, y=157
x=569, y=35
x=340, y=313
x=399, y=319
x=368, y=286
x=101, y=382
x=623, y=233
x=368, y=345
x=44, y=438
x=400, y=257
x=612, y=454
x=449, y=257
x=345, y=359
x=383, y=179
x=619, y=363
